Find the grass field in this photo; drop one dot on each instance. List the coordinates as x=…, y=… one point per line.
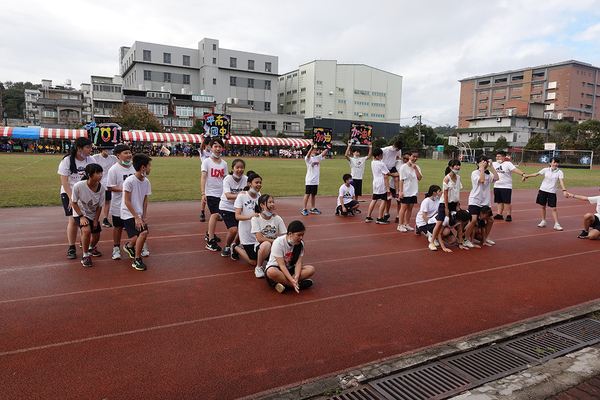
x=31, y=180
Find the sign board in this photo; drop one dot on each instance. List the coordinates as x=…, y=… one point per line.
x=360, y=134
x=322, y=138
x=549, y=146
x=217, y=125
x=104, y=136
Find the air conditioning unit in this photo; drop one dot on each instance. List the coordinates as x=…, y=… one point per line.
x=331, y=93
x=509, y=112
x=498, y=119
x=96, y=110
x=471, y=134
x=360, y=114
x=330, y=113
x=492, y=133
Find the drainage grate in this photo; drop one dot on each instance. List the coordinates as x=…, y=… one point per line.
x=487, y=364
x=543, y=346
x=429, y=382
x=586, y=330
x=360, y=393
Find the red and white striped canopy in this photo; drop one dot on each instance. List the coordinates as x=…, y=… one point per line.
x=6, y=131
x=141, y=136
x=50, y=133
x=268, y=141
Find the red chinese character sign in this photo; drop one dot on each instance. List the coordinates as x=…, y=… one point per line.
x=360, y=134
x=322, y=138
x=217, y=125
x=104, y=136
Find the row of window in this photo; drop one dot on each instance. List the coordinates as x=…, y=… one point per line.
x=70, y=97
x=166, y=58
x=177, y=122
x=63, y=114
x=167, y=77
x=107, y=88
x=233, y=64
x=250, y=83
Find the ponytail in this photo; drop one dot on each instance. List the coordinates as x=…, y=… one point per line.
x=90, y=170
x=432, y=190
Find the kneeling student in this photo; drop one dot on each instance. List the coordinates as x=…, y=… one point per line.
x=591, y=222
x=457, y=220
x=88, y=197
x=346, y=205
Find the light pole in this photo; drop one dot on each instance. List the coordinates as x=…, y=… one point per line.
x=5, y=119
x=418, y=117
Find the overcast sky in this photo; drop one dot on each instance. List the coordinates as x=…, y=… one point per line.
x=431, y=44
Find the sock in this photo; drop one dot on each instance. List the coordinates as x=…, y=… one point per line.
x=72, y=246
x=116, y=245
x=86, y=255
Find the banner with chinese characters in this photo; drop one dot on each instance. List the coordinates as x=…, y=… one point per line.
x=217, y=125
x=322, y=138
x=360, y=134
x=104, y=136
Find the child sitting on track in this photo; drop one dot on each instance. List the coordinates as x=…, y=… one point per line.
x=591, y=222
x=346, y=205
x=450, y=200
x=267, y=227
x=481, y=230
x=426, y=217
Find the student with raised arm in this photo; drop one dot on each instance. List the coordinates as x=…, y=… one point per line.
x=357, y=168
x=313, y=172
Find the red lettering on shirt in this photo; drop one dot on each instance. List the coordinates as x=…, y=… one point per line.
x=217, y=173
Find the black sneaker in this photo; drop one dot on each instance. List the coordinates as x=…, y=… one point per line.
x=71, y=253
x=226, y=251
x=368, y=219
x=129, y=251
x=213, y=246
x=382, y=221
x=87, y=261
x=498, y=217
x=337, y=211
x=106, y=223
x=202, y=217
x=234, y=255
x=583, y=235
x=386, y=217
x=95, y=253
x=218, y=239
x=139, y=264
x=305, y=284
x=357, y=211
x=508, y=218
x=397, y=220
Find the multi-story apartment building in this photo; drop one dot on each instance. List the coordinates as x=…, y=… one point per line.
x=60, y=106
x=106, y=94
x=569, y=89
x=331, y=95
x=32, y=112
x=210, y=70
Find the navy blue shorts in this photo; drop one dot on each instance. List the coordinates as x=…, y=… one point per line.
x=107, y=195
x=357, y=184
x=130, y=228
x=95, y=229
x=65, y=202
x=545, y=198
x=426, y=228
x=442, y=210
x=382, y=196
x=502, y=195
x=311, y=189
x=409, y=200
x=213, y=204
x=291, y=269
x=596, y=224
x=474, y=210
x=229, y=218
x=118, y=222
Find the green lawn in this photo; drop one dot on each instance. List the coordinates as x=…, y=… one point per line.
x=31, y=180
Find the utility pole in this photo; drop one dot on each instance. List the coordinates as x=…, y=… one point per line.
x=418, y=117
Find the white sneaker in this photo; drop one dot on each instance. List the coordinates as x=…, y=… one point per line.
x=408, y=228
x=467, y=243
x=542, y=224
x=432, y=247
x=489, y=241
x=258, y=272
x=116, y=253
x=401, y=228
x=558, y=227
x=435, y=242
x=145, y=251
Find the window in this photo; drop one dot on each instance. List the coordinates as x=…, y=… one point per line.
x=318, y=105
x=378, y=104
x=267, y=67
x=483, y=83
x=267, y=125
x=251, y=65
x=361, y=92
x=536, y=96
x=251, y=102
x=214, y=47
x=500, y=100
x=289, y=92
x=167, y=58
x=497, y=110
x=251, y=83
x=267, y=105
x=50, y=114
x=232, y=81
x=517, y=89
x=147, y=55
x=500, y=80
x=294, y=91
x=214, y=61
x=267, y=85
x=302, y=72
x=233, y=62
x=319, y=82
x=499, y=90
x=66, y=96
x=73, y=97
x=517, y=78
x=184, y=111
x=303, y=101
x=167, y=76
x=319, y=93
x=158, y=109
x=214, y=81
x=537, y=85
x=186, y=79
x=538, y=75
x=483, y=101
x=340, y=89
x=342, y=101
x=241, y=124
x=378, y=94
x=303, y=89
x=291, y=126
x=186, y=60
x=340, y=112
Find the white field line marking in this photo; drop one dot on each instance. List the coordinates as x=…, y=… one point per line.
x=265, y=309
x=27, y=165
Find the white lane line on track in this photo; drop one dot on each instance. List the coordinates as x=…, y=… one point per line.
x=260, y=310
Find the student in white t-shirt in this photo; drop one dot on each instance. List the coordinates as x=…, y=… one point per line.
x=233, y=184
x=357, y=168
x=456, y=220
x=503, y=186
x=450, y=200
x=71, y=169
x=547, y=193
x=245, y=208
x=214, y=170
x=285, y=266
x=390, y=155
x=591, y=222
x=381, y=187
x=410, y=175
x=346, y=205
x=313, y=172
x=106, y=161
x=88, y=197
x=204, y=153
x=134, y=207
x=267, y=227
x=426, y=217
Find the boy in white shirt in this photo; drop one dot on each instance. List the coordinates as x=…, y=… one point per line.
x=410, y=175
x=357, y=168
x=503, y=187
x=346, y=205
x=381, y=187
x=214, y=170
x=591, y=222
x=106, y=161
x=313, y=172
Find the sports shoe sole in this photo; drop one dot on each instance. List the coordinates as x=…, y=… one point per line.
x=280, y=288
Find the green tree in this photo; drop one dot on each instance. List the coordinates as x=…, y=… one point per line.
x=256, y=132
x=446, y=130
x=476, y=143
x=379, y=142
x=13, y=97
x=589, y=131
x=282, y=135
x=198, y=127
x=501, y=144
x=535, y=142
x=308, y=134
x=563, y=134
x=134, y=117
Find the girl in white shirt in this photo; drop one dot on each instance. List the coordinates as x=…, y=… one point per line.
x=245, y=209
x=267, y=227
x=429, y=208
x=450, y=201
x=233, y=184
x=456, y=220
x=204, y=153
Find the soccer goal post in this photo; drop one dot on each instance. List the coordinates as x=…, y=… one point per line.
x=567, y=158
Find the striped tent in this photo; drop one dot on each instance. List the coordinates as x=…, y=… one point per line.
x=6, y=131
x=49, y=133
x=142, y=136
x=268, y=141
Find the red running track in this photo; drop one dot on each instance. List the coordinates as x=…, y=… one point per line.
x=197, y=325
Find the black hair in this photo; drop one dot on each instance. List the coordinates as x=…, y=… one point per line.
x=121, y=148
x=452, y=163
x=250, y=172
x=252, y=177
x=263, y=199
x=205, y=141
x=413, y=151
x=432, y=190
x=482, y=157
x=555, y=159
x=216, y=140
x=140, y=160
x=80, y=143
x=501, y=152
x=461, y=215
x=90, y=170
x=296, y=226
x=377, y=152
x=346, y=177
x=486, y=210
x=234, y=162
x=398, y=144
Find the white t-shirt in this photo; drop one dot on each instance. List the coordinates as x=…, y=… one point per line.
x=215, y=173
x=389, y=156
x=115, y=177
x=248, y=205
x=270, y=228
x=105, y=163
x=139, y=190
x=63, y=169
x=357, y=167
x=430, y=207
x=551, y=179
x=379, y=171
x=410, y=187
x=233, y=187
x=313, y=169
x=205, y=154
x=87, y=200
x=446, y=222
x=453, y=190
x=281, y=248
x=595, y=200
x=480, y=194
x=504, y=171
x=347, y=194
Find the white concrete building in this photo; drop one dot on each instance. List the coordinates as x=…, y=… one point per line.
x=331, y=95
x=106, y=95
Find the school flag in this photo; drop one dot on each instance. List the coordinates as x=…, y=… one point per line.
x=360, y=134
x=322, y=138
x=217, y=125
x=104, y=136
